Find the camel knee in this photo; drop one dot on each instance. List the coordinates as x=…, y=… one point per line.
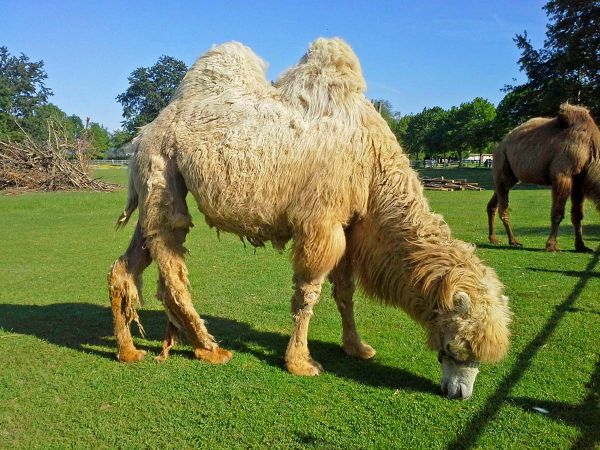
x=306, y=296
x=492, y=205
x=558, y=216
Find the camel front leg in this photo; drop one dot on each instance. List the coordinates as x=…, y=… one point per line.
x=316, y=253
x=344, y=286
x=577, y=198
x=561, y=190
x=297, y=356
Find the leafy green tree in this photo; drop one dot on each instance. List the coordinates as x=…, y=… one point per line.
x=425, y=133
x=99, y=139
x=50, y=115
x=471, y=127
x=567, y=68
x=22, y=90
x=401, y=129
x=150, y=90
x=119, y=138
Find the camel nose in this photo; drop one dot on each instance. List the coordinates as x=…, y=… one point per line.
x=459, y=391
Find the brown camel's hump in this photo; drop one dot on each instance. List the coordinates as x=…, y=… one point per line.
x=572, y=115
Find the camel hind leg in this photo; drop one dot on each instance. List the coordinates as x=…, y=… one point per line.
x=168, y=222
x=315, y=255
x=502, y=194
x=504, y=180
x=344, y=286
x=492, y=209
x=124, y=284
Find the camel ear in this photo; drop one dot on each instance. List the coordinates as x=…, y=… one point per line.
x=462, y=302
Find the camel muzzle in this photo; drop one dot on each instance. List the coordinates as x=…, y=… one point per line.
x=458, y=377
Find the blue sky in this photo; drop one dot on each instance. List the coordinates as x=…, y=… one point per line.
x=415, y=54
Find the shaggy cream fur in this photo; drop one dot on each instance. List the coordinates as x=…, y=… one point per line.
x=558, y=152
x=306, y=159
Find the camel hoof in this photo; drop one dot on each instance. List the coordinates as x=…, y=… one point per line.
x=552, y=249
x=161, y=358
x=515, y=244
x=217, y=356
x=359, y=350
x=494, y=240
x=132, y=355
x=584, y=249
x=305, y=368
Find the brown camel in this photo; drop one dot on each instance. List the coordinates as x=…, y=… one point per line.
x=557, y=152
x=307, y=159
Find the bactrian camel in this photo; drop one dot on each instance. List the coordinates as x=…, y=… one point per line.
x=307, y=159
x=555, y=152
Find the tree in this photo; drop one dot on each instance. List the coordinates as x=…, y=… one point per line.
x=426, y=133
x=401, y=129
x=22, y=90
x=99, y=139
x=471, y=127
x=50, y=115
x=567, y=68
x=150, y=90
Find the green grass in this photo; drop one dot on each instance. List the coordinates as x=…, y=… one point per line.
x=60, y=385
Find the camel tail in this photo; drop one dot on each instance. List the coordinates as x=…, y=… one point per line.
x=132, y=195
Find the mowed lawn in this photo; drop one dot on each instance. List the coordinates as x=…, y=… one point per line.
x=61, y=386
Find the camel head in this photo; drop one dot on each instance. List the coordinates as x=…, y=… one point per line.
x=473, y=330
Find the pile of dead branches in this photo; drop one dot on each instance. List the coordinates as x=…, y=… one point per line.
x=444, y=184
x=58, y=163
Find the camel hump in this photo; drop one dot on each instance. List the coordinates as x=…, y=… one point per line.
x=571, y=115
x=227, y=66
x=336, y=55
x=325, y=82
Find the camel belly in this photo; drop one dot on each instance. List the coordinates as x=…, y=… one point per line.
x=238, y=211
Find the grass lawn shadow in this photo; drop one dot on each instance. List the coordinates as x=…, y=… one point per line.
x=585, y=416
x=503, y=247
x=80, y=326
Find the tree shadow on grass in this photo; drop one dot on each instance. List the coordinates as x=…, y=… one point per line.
x=585, y=416
x=82, y=326
x=478, y=423
x=508, y=247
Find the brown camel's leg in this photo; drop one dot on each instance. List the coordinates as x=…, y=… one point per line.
x=169, y=342
x=492, y=208
x=314, y=257
x=561, y=190
x=124, y=285
x=167, y=250
x=343, y=290
x=502, y=196
x=577, y=216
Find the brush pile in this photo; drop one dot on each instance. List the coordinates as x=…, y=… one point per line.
x=55, y=164
x=444, y=184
